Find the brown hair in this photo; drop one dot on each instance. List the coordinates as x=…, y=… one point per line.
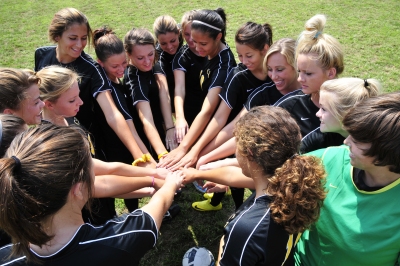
x=35, y=185
x=54, y=81
x=10, y=127
x=254, y=35
x=106, y=43
x=320, y=46
x=376, y=120
x=64, y=19
x=137, y=37
x=13, y=85
x=270, y=137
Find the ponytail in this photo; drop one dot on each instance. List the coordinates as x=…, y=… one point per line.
x=106, y=43
x=298, y=193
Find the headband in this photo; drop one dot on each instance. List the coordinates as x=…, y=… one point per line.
x=1, y=131
x=206, y=24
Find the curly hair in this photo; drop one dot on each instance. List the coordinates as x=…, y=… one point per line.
x=270, y=137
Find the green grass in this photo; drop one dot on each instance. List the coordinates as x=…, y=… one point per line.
x=368, y=30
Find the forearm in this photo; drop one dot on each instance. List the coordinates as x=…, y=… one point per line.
x=228, y=175
x=116, y=168
x=113, y=185
x=165, y=101
x=135, y=135
x=223, y=151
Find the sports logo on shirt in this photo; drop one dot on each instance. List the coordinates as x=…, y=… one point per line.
x=202, y=77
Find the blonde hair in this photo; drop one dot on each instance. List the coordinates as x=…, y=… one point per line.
x=347, y=92
x=54, y=81
x=286, y=48
x=187, y=18
x=165, y=24
x=320, y=46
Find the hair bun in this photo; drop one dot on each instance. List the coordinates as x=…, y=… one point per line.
x=100, y=32
x=315, y=26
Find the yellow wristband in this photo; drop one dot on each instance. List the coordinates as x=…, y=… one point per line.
x=146, y=157
x=137, y=161
x=162, y=154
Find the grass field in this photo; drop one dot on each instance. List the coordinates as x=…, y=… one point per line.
x=368, y=30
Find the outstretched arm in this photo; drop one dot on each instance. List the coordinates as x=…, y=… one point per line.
x=117, y=122
x=181, y=126
x=230, y=175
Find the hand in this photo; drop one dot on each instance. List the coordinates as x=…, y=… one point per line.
x=170, y=141
x=188, y=160
x=189, y=175
x=214, y=187
x=176, y=178
x=171, y=158
x=147, y=165
x=181, y=128
x=161, y=173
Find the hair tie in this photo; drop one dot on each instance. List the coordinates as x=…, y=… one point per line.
x=17, y=162
x=1, y=131
x=317, y=34
x=366, y=84
x=206, y=24
x=294, y=155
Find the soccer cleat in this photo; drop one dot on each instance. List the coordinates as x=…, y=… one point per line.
x=173, y=211
x=205, y=205
x=208, y=195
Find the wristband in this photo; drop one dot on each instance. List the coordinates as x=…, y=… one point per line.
x=162, y=154
x=137, y=161
x=169, y=128
x=146, y=157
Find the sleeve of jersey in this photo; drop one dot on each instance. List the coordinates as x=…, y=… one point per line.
x=312, y=141
x=120, y=102
x=158, y=67
x=232, y=88
x=256, y=98
x=181, y=61
x=138, y=88
x=220, y=73
x=137, y=232
x=37, y=59
x=99, y=81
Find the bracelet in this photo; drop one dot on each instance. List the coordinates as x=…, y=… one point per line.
x=137, y=161
x=162, y=154
x=146, y=157
x=169, y=128
x=152, y=184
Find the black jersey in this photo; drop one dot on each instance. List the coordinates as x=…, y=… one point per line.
x=187, y=61
x=92, y=82
x=215, y=71
x=239, y=84
x=113, y=148
x=267, y=94
x=302, y=109
x=121, y=241
x=142, y=86
x=253, y=238
x=316, y=140
x=164, y=67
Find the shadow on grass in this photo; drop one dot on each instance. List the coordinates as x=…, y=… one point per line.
x=190, y=228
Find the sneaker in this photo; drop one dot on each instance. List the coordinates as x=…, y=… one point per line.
x=210, y=195
x=172, y=212
x=199, y=187
x=205, y=205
